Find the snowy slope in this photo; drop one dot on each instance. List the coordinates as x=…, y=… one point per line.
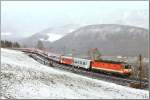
x=22, y=77
x=52, y=37
x=49, y=35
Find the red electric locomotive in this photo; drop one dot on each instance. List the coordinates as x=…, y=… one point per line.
x=113, y=67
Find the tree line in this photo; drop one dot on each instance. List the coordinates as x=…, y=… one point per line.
x=9, y=44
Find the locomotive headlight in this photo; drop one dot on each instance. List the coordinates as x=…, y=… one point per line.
x=127, y=70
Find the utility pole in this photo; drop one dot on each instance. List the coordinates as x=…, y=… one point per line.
x=140, y=72
x=64, y=50
x=140, y=69
x=88, y=54
x=73, y=52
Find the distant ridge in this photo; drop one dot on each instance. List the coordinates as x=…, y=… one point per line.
x=110, y=39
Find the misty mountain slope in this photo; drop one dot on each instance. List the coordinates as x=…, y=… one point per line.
x=49, y=35
x=110, y=39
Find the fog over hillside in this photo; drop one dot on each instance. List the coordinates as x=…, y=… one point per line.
x=49, y=35
x=115, y=27
x=110, y=39
x=26, y=18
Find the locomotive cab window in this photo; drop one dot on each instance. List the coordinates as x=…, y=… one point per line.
x=127, y=66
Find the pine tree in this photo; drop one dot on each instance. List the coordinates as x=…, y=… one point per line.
x=9, y=44
x=2, y=44
x=16, y=45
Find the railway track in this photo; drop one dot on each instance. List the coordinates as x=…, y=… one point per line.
x=99, y=76
x=44, y=59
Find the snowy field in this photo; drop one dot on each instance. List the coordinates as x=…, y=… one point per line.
x=24, y=78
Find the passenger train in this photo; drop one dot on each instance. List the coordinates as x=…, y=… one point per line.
x=120, y=68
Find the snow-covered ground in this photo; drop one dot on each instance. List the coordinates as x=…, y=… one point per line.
x=24, y=78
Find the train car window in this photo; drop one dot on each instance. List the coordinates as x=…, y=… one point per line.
x=84, y=63
x=80, y=62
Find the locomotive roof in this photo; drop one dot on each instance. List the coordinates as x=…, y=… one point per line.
x=111, y=61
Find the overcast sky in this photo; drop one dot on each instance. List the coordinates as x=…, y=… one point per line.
x=24, y=18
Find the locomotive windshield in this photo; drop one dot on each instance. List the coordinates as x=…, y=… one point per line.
x=127, y=66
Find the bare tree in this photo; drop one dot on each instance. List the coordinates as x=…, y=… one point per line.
x=96, y=55
x=40, y=45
